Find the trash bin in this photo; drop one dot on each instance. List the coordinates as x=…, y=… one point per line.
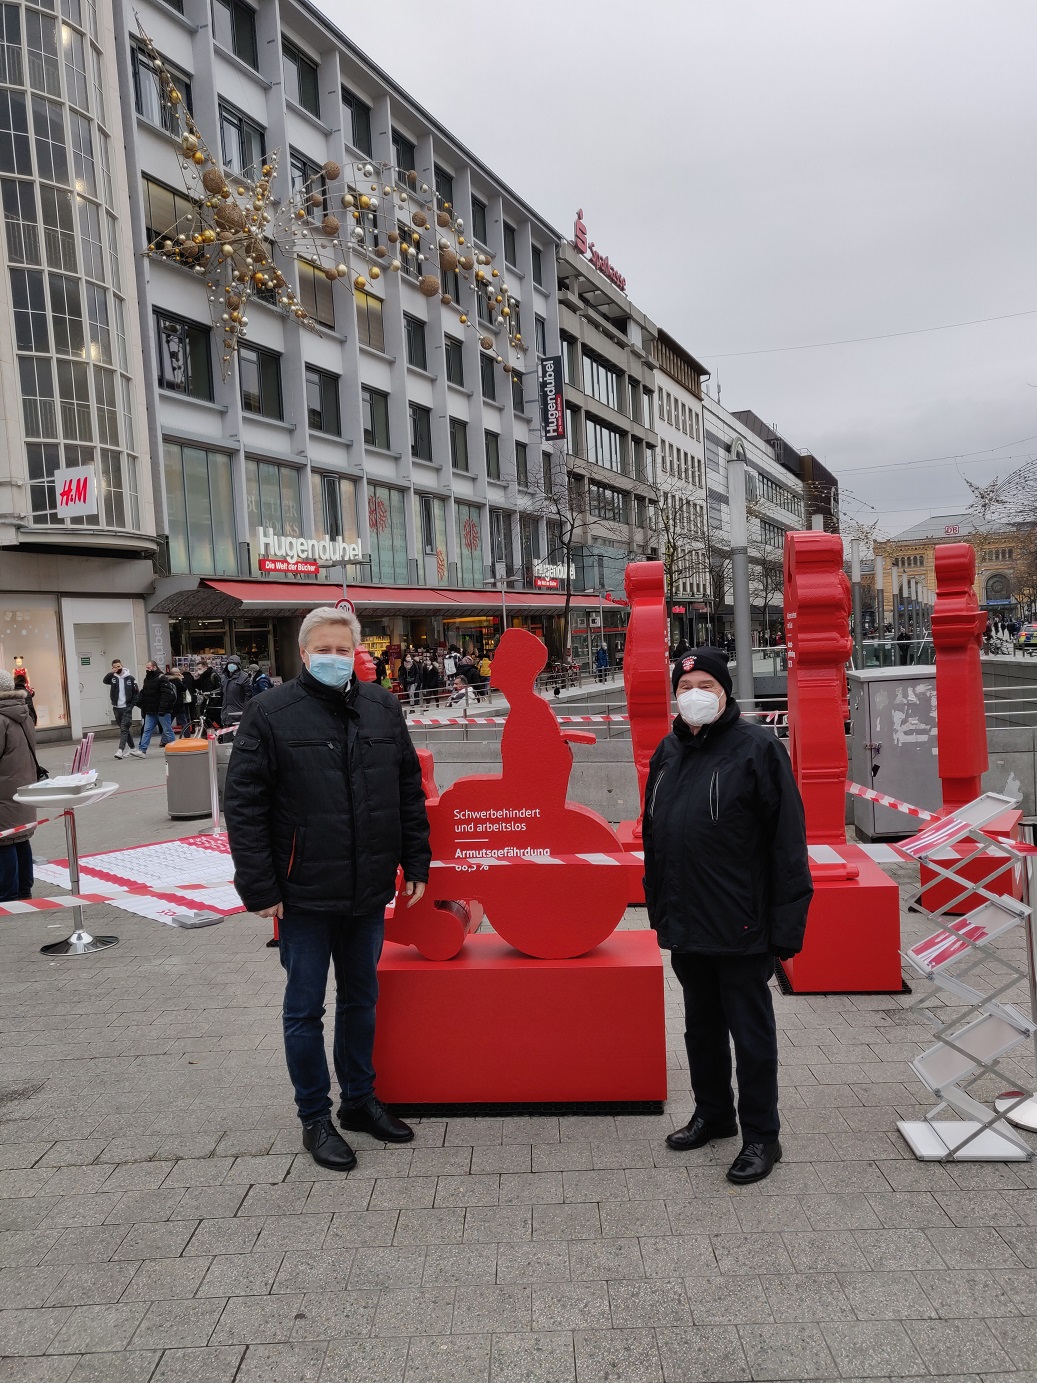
x=187, y=778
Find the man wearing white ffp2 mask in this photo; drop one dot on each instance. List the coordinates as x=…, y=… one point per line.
x=727, y=882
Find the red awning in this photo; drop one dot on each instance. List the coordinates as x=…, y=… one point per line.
x=299, y=595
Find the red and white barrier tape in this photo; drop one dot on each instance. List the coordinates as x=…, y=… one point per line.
x=78, y=900
x=30, y=825
x=870, y=795
x=503, y=720
x=630, y=858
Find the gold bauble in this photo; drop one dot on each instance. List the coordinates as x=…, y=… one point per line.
x=463, y=319
x=198, y=156
x=429, y=285
x=375, y=272
x=360, y=282
x=365, y=201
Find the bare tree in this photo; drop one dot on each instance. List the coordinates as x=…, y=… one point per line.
x=555, y=494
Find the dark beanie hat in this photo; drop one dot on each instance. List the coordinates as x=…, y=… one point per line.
x=711, y=660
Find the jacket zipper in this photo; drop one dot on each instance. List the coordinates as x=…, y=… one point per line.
x=714, y=796
x=655, y=793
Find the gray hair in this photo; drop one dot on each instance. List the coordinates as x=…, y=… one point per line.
x=328, y=614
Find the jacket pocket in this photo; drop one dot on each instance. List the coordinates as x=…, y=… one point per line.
x=296, y=853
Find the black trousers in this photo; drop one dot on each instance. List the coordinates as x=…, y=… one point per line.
x=727, y=999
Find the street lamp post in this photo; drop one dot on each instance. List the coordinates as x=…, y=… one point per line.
x=858, y=614
x=740, y=576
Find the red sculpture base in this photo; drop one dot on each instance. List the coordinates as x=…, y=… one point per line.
x=633, y=843
x=1006, y=885
x=853, y=929
x=494, y=1027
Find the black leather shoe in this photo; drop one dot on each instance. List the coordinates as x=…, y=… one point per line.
x=372, y=1117
x=325, y=1144
x=754, y=1162
x=697, y=1134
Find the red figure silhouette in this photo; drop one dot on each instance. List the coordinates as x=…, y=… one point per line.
x=519, y=820
x=817, y=614
x=646, y=672
x=958, y=625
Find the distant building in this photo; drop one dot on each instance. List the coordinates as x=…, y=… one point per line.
x=1000, y=558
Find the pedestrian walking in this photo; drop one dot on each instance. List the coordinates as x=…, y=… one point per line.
x=601, y=663
x=236, y=687
x=157, y=702
x=727, y=883
x=431, y=681
x=259, y=679
x=410, y=679
x=18, y=769
x=181, y=715
x=123, y=689
x=324, y=802
x=485, y=669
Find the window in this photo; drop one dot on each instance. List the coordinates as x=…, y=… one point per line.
x=316, y=293
x=75, y=68
x=538, y=266
x=500, y=538
x=49, y=129
x=107, y=408
x=454, y=350
x=420, y=432
x=570, y=358
x=458, y=445
x=322, y=406
x=608, y=504
x=469, y=545
x=451, y=284
x=100, y=330
x=492, y=444
x=387, y=527
x=300, y=78
x=41, y=42
x=167, y=214
x=83, y=153
x=244, y=143
x=404, y=155
x=772, y=535
x=36, y=385
x=604, y=445
x=308, y=180
x=358, y=122
x=510, y=245
x=428, y=524
x=66, y=310
x=59, y=238
x=522, y=465
x=15, y=152
x=260, y=373
x=540, y=334
x=518, y=402
x=147, y=91
x=29, y=300
x=200, y=503
x=572, y=431
x=367, y=222
x=640, y=511
x=684, y=418
x=23, y=231
x=488, y=376
x=334, y=507
x=375, y=407
x=549, y=484
x=273, y=497
x=90, y=239
x=370, y=331
x=479, y=219
x=10, y=45
x=74, y=401
x=444, y=187
x=529, y=537
x=414, y=337
x=601, y=381
x=234, y=28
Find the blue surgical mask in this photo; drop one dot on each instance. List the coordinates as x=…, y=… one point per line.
x=332, y=669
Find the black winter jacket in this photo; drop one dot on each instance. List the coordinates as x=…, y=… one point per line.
x=726, y=865
x=324, y=799
x=157, y=696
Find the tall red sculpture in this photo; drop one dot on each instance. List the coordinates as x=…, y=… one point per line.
x=817, y=614
x=958, y=625
x=645, y=677
x=853, y=928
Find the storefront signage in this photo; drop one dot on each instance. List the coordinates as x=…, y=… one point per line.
x=600, y=262
x=615, y=599
x=273, y=544
x=545, y=583
x=553, y=569
x=76, y=490
x=283, y=567
x=552, y=401
x=678, y=610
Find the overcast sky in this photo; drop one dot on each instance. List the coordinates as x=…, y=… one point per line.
x=772, y=174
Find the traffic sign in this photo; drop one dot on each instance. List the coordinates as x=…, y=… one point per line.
x=344, y=604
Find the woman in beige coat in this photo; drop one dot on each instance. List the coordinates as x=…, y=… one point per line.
x=17, y=770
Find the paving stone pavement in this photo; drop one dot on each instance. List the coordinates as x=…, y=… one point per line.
x=158, y=1220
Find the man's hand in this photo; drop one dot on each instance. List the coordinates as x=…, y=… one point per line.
x=276, y=911
x=413, y=891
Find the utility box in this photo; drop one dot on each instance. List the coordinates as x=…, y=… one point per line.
x=187, y=779
x=893, y=746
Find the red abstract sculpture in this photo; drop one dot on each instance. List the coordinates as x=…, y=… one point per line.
x=958, y=625
x=645, y=676
x=817, y=613
x=499, y=838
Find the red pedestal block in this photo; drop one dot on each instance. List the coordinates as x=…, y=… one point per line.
x=852, y=943
x=1008, y=884
x=495, y=1027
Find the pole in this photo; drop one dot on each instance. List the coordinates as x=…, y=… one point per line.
x=740, y=580
x=80, y=943
x=858, y=613
x=214, y=791
x=880, y=598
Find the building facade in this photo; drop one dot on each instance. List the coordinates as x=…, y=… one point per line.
x=392, y=428
x=77, y=518
x=1004, y=583
x=681, y=483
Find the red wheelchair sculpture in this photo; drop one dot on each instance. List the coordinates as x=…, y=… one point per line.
x=543, y=869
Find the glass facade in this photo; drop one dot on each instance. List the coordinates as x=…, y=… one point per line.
x=469, y=545
x=387, y=534
x=200, y=511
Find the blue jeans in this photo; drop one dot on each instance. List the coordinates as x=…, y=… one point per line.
x=15, y=870
x=153, y=723
x=309, y=944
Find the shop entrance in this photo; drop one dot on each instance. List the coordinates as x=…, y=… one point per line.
x=92, y=663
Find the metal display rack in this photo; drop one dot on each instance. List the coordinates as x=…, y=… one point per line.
x=960, y=958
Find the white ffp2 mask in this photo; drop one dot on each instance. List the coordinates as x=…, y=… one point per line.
x=698, y=707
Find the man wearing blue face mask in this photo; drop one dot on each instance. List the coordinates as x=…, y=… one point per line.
x=727, y=883
x=324, y=802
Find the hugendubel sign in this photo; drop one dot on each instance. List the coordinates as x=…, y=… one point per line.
x=552, y=400
x=302, y=554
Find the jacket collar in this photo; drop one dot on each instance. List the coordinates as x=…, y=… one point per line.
x=346, y=696
x=682, y=730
